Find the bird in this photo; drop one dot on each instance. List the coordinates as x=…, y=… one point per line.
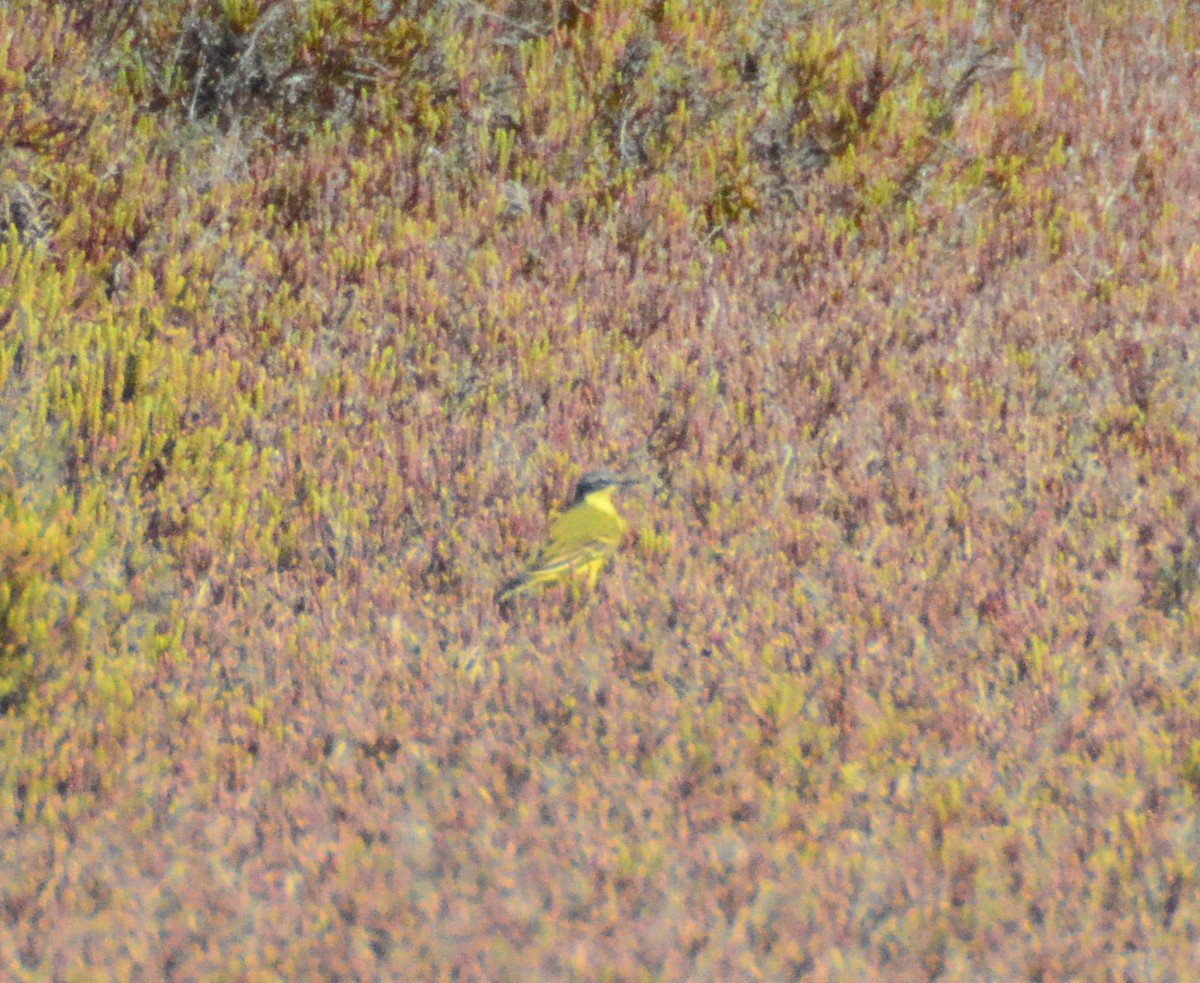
x=581, y=541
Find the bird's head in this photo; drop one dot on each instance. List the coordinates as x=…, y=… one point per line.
x=601, y=480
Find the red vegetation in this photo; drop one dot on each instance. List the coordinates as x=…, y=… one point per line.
x=310, y=313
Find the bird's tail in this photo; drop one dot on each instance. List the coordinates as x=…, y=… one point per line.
x=510, y=589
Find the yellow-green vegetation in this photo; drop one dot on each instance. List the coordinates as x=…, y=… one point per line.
x=309, y=312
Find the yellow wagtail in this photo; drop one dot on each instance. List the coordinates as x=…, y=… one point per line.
x=581, y=539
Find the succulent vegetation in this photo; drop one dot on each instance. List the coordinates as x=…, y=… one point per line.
x=312, y=310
